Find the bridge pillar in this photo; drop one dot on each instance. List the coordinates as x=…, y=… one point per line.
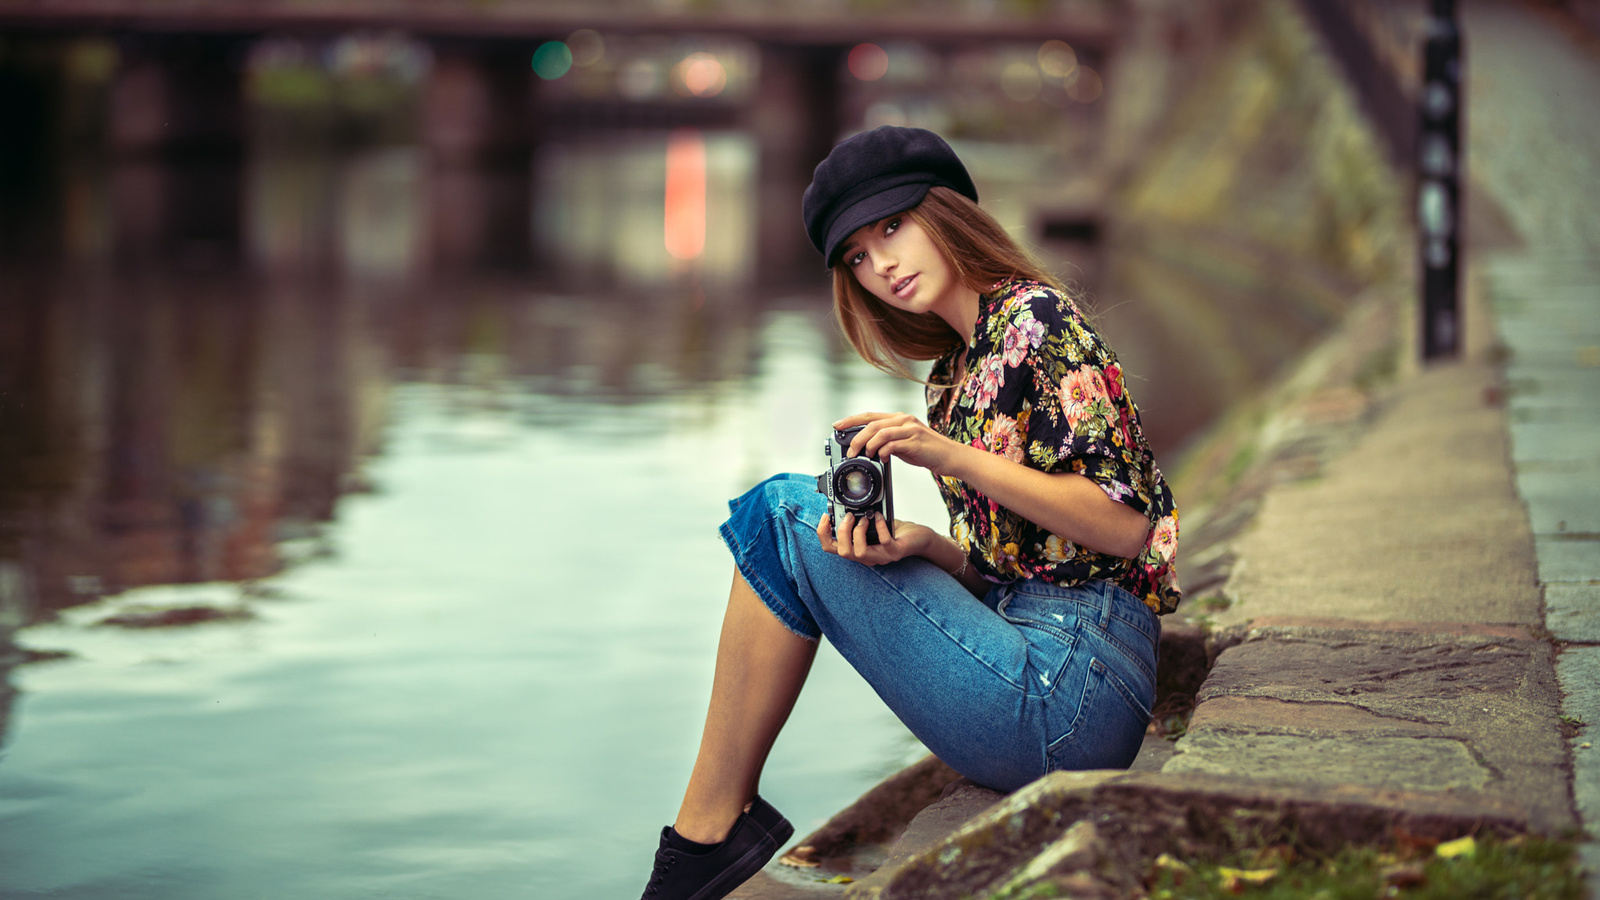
x=795, y=119
x=478, y=104
x=30, y=151
x=479, y=127
x=179, y=96
x=176, y=136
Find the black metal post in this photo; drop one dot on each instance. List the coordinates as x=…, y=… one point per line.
x=1439, y=183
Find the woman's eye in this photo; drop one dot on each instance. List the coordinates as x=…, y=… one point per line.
x=892, y=227
x=856, y=260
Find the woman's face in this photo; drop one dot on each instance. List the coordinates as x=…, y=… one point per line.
x=896, y=261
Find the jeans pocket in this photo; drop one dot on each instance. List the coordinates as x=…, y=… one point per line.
x=1108, y=727
x=1051, y=640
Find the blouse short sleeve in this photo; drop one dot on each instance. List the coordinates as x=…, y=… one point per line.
x=1043, y=390
x=1069, y=392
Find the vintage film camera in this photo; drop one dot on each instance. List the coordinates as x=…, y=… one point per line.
x=860, y=485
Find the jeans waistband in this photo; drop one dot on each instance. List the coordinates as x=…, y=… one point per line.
x=1109, y=601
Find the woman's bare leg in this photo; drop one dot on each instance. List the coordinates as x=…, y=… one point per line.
x=761, y=666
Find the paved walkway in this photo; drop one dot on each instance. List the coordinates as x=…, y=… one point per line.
x=1473, y=498
x=1534, y=145
x=1394, y=635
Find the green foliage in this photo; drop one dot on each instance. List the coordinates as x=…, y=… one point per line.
x=296, y=87
x=1239, y=463
x=1379, y=368
x=1521, y=868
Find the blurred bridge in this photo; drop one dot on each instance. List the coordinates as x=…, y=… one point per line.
x=195, y=52
x=791, y=23
x=179, y=88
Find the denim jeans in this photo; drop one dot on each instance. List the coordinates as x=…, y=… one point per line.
x=1029, y=679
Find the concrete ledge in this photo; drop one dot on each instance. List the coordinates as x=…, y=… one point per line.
x=1429, y=706
x=1137, y=816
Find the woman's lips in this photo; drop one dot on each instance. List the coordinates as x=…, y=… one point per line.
x=903, y=284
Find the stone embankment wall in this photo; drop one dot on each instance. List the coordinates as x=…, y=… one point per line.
x=1267, y=184
x=1245, y=204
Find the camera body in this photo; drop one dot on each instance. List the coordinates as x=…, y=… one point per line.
x=860, y=485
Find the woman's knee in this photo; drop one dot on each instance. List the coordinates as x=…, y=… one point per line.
x=789, y=492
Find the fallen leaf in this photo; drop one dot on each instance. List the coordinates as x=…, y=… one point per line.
x=1172, y=863
x=1234, y=881
x=1460, y=847
x=801, y=858
x=839, y=879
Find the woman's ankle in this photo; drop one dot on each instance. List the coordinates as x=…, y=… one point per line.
x=707, y=826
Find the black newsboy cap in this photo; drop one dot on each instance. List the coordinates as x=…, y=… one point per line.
x=875, y=174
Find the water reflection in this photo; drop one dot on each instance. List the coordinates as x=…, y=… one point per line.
x=606, y=203
x=173, y=427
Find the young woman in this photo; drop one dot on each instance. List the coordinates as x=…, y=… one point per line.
x=1022, y=642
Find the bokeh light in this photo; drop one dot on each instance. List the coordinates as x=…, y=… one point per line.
x=1087, y=86
x=868, y=62
x=1057, y=59
x=552, y=60
x=700, y=75
x=91, y=60
x=686, y=194
x=587, y=47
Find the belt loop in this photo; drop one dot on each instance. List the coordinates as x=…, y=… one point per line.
x=1002, y=596
x=1108, y=597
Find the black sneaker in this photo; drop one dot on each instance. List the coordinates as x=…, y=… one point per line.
x=710, y=875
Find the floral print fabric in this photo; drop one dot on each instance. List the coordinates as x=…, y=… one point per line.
x=1042, y=389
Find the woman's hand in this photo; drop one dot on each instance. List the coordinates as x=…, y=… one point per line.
x=903, y=436
x=910, y=539
x=1062, y=503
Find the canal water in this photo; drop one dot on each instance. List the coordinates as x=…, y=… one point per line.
x=454, y=529
x=483, y=677
x=338, y=560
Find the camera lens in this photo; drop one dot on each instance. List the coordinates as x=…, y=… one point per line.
x=856, y=482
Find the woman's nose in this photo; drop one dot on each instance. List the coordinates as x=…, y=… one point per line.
x=883, y=263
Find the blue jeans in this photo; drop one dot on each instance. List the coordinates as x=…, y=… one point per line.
x=1029, y=679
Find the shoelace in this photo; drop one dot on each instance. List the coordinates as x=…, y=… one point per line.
x=659, y=874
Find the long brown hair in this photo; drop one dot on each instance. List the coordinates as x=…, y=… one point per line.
x=980, y=253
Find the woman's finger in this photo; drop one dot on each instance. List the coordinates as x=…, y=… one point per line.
x=883, y=531
x=858, y=444
x=858, y=419
x=871, y=421
x=902, y=431
x=846, y=540
x=825, y=532
x=858, y=535
x=878, y=443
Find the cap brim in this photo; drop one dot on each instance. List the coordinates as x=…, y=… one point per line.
x=870, y=209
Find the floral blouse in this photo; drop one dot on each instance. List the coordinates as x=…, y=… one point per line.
x=1042, y=389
